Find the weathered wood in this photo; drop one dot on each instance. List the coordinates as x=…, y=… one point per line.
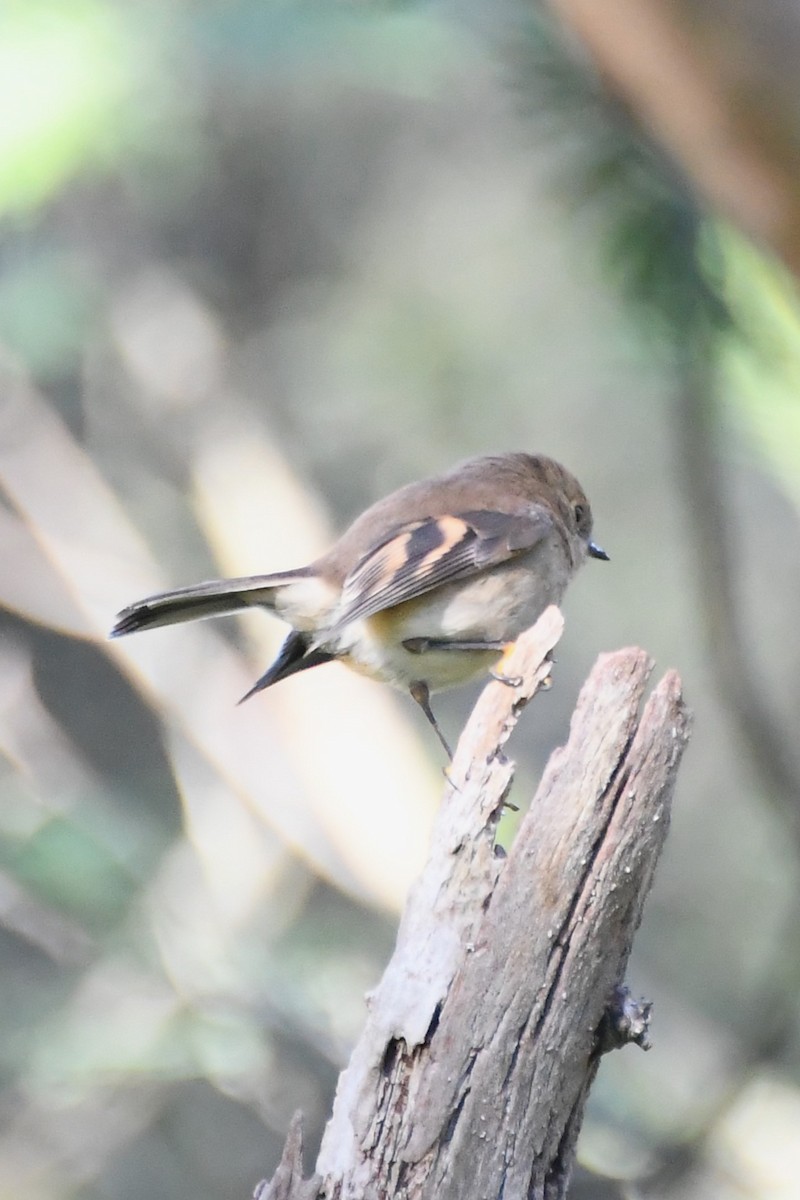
x=483, y=1037
x=287, y=1183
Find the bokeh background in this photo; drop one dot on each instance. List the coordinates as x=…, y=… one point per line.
x=261, y=262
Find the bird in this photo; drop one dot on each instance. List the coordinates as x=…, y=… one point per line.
x=426, y=590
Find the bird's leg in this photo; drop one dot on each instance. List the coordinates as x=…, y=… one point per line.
x=421, y=645
x=421, y=693
x=497, y=673
x=515, y=680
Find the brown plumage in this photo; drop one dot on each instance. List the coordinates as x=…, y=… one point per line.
x=426, y=588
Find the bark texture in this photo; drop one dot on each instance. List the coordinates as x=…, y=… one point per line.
x=484, y=1035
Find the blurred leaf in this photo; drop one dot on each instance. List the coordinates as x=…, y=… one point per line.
x=763, y=373
x=659, y=244
x=68, y=868
x=406, y=49
x=120, y=1018
x=65, y=74
x=45, y=308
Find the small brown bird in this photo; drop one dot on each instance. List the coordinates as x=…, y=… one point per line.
x=426, y=589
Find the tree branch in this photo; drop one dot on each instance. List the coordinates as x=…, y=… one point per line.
x=484, y=1035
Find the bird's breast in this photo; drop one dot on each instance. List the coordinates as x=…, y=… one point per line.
x=492, y=607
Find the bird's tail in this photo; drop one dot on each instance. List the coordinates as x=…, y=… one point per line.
x=213, y=599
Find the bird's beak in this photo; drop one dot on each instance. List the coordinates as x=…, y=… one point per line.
x=598, y=552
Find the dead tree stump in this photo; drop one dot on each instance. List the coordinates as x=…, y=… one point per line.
x=484, y=1035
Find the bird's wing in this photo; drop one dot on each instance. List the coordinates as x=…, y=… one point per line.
x=422, y=555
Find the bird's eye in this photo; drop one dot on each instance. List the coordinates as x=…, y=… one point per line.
x=580, y=514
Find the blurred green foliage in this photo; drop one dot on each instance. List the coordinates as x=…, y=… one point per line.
x=659, y=244
x=764, y=370
x=71, y=83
